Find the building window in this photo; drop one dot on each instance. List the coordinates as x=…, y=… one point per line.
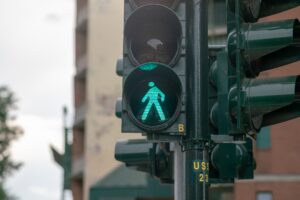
x=263, y=140
x=264, y=196
x=224, y=192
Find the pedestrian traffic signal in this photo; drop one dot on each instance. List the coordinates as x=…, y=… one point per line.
x=152, y=94
x=153, y=69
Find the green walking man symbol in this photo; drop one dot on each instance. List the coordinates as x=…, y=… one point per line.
x=153, y=96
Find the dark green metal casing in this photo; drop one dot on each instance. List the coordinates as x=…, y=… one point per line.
x=266, y=45
x=252, y=10
x=232, y=161
x=144, y=156
x=153, y=25
x=252, y=48
x=64, y=160
x=244, y=104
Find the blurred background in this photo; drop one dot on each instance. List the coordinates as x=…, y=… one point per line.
x=56, y=53
x=37, y=65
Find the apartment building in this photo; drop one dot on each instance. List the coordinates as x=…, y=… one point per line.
x=98, y=45
x=80, y=86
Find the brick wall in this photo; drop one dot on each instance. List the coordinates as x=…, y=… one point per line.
x=280, y=190
x=78, y=144
x=77, y=189
x=79, y=92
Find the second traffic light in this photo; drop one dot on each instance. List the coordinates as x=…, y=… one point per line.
x=240, y=103
x=153, y=158
x=153, y=69
x=245, y=104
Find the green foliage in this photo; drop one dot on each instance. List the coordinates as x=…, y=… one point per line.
x=8, y=132
x=4, y=195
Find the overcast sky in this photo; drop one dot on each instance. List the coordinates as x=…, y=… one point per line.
x=36, y=62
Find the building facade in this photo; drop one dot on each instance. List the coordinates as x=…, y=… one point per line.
x=99, y=32
x=98, y=45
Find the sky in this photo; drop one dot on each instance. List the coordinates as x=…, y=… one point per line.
x=37, y=63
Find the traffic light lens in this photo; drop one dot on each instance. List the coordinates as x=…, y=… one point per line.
x=153, y=46
x=152, y=93
x=153, y=34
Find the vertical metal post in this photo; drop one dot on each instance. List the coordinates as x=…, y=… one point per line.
x=65, y=131
x=197, y=143
x=178, y=172
x=238, y=62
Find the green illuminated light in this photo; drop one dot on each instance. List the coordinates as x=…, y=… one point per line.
x=153, y=96
x=148, y=66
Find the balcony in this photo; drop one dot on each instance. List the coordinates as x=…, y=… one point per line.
x=78, y=168
x=220, y=31
x=80, y=115
x=82, y=18
x=217, y=36
x=81, y=67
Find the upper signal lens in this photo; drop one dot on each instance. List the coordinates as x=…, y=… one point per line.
x=168, y=3
x=153, y=34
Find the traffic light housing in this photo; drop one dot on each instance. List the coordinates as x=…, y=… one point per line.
x=243, y=100
x=243, y=103
x=251, y=10
x=153, y=158
x=228, y=160
x=153, y=69
x=232, y=161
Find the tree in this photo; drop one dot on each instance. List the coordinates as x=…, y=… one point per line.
x=8, y=133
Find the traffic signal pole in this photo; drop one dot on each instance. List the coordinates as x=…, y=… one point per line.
x=197, y=142
x=178, y=172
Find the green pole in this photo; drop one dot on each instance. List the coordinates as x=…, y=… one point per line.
x=66, y=146
x=65, y=111
x=238, y=63
x=197, y=143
